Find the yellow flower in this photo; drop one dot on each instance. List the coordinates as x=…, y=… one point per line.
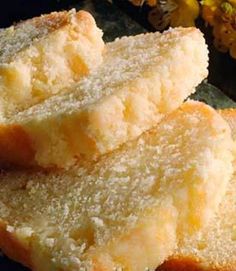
x=180, y=12
x=152, y=3
x=141, y=2
x=221, y=15
x=185, y=14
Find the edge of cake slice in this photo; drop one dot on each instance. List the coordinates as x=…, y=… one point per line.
x=213, y=248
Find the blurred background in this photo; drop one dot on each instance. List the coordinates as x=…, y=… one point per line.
x=14, y=10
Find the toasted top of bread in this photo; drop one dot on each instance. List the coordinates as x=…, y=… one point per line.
x=213, y=248
x=41, y=56
x=142, y=78
x=127, y=210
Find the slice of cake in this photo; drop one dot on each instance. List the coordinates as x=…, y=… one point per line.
x=127, y=211
x=214, y=248
x=41, y=56
x=142, y=79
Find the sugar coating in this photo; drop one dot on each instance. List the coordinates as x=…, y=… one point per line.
x=16, y=38
x=131, y=207
x=41, y=56
x=142, y=78
x=131, y=58
x=215, y=246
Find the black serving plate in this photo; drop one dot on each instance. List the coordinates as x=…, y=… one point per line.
x=115, y=23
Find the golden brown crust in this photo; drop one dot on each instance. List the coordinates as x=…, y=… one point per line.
x=55, y=20
x=188, y=264
x=16, y=139
x=185, y=264
x=52, y=21
x=12, y=247
x=230, y=111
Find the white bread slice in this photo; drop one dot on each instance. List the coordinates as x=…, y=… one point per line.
x=214, y=248
x=141, y=79
x=41, y=56
x=127, y=210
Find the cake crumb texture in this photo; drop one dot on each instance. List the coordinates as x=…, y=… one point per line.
x=130, y=208
x=41, y=56
x=142, y=79
x=213, y=248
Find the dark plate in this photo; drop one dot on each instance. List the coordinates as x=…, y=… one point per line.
x=114, y=23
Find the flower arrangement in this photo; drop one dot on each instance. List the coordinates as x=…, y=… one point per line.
x=219, y=14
